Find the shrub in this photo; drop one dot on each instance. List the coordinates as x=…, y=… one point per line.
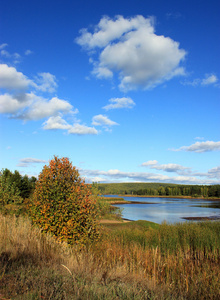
x=63, y=205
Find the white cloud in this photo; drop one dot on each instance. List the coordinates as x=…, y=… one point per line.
x=214, y=172
x=5, y=53
x=42, y=108
x=56, y=122
x=11, y=105
x=45, y=82
x=130, y=48
x=82, y=130
x=101, y=120
x=210, y=79
x=153, y=164
x=200, y=147
x=29, y=106
x=149, y=163
x=102, y=72
x=28, y=52
x=106, y=31
x=11, y=79
x=116, y=175
x=116, y=103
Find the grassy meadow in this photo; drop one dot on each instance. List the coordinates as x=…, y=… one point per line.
x=134, y=260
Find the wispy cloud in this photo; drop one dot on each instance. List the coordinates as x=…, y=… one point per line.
x=117, y=175
x=2, y=46
x=46, y=82
x=129, y=47
x=209, y=80
x=15, y=58
x=28, y=52
x=26, y=162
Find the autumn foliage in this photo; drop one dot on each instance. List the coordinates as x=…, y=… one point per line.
x=63, y=205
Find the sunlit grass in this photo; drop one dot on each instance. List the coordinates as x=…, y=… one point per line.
x=136, y=260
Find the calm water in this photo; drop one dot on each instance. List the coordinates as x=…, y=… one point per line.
x=171, y=210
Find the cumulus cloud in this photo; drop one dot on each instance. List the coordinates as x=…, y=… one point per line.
x=117, y=103
x=54, y=123
x=10, y=104
x=57, y=122
x=28, y=106
x=153, y=164
x=101, y=120
x=200, y=147
x=42, y=108
x=11, y=79
x=131, y=48
x=19, y=103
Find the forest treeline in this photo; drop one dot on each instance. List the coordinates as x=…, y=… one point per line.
x=159, y=189
x=15, y=186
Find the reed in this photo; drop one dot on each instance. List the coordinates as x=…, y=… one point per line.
x=136, y=260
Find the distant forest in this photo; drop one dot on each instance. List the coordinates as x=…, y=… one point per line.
x=159, y=189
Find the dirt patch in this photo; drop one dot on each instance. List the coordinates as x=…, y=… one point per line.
x=104, y=221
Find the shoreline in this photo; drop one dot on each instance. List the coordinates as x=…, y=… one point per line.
x=206, y=218
x=159, y=196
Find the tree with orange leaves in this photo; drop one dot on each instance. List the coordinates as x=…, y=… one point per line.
x=63, y=205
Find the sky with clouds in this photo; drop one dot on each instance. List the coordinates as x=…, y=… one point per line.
x=128, y=90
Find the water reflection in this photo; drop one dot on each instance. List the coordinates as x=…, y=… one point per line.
x=171, y=210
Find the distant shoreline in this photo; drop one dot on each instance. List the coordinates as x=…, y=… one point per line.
x=158, y=196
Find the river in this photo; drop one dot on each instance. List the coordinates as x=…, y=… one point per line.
x=171, y=210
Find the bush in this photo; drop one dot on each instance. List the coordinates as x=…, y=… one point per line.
x=63, y=205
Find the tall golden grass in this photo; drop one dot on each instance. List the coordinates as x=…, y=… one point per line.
x=131, y=261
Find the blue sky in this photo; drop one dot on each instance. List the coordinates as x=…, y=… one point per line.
x=128, y=90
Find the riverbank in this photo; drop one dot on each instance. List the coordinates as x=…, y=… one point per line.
x=179, y=197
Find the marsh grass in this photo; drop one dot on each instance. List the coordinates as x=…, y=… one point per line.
x=106, y=210
x=136, y=260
